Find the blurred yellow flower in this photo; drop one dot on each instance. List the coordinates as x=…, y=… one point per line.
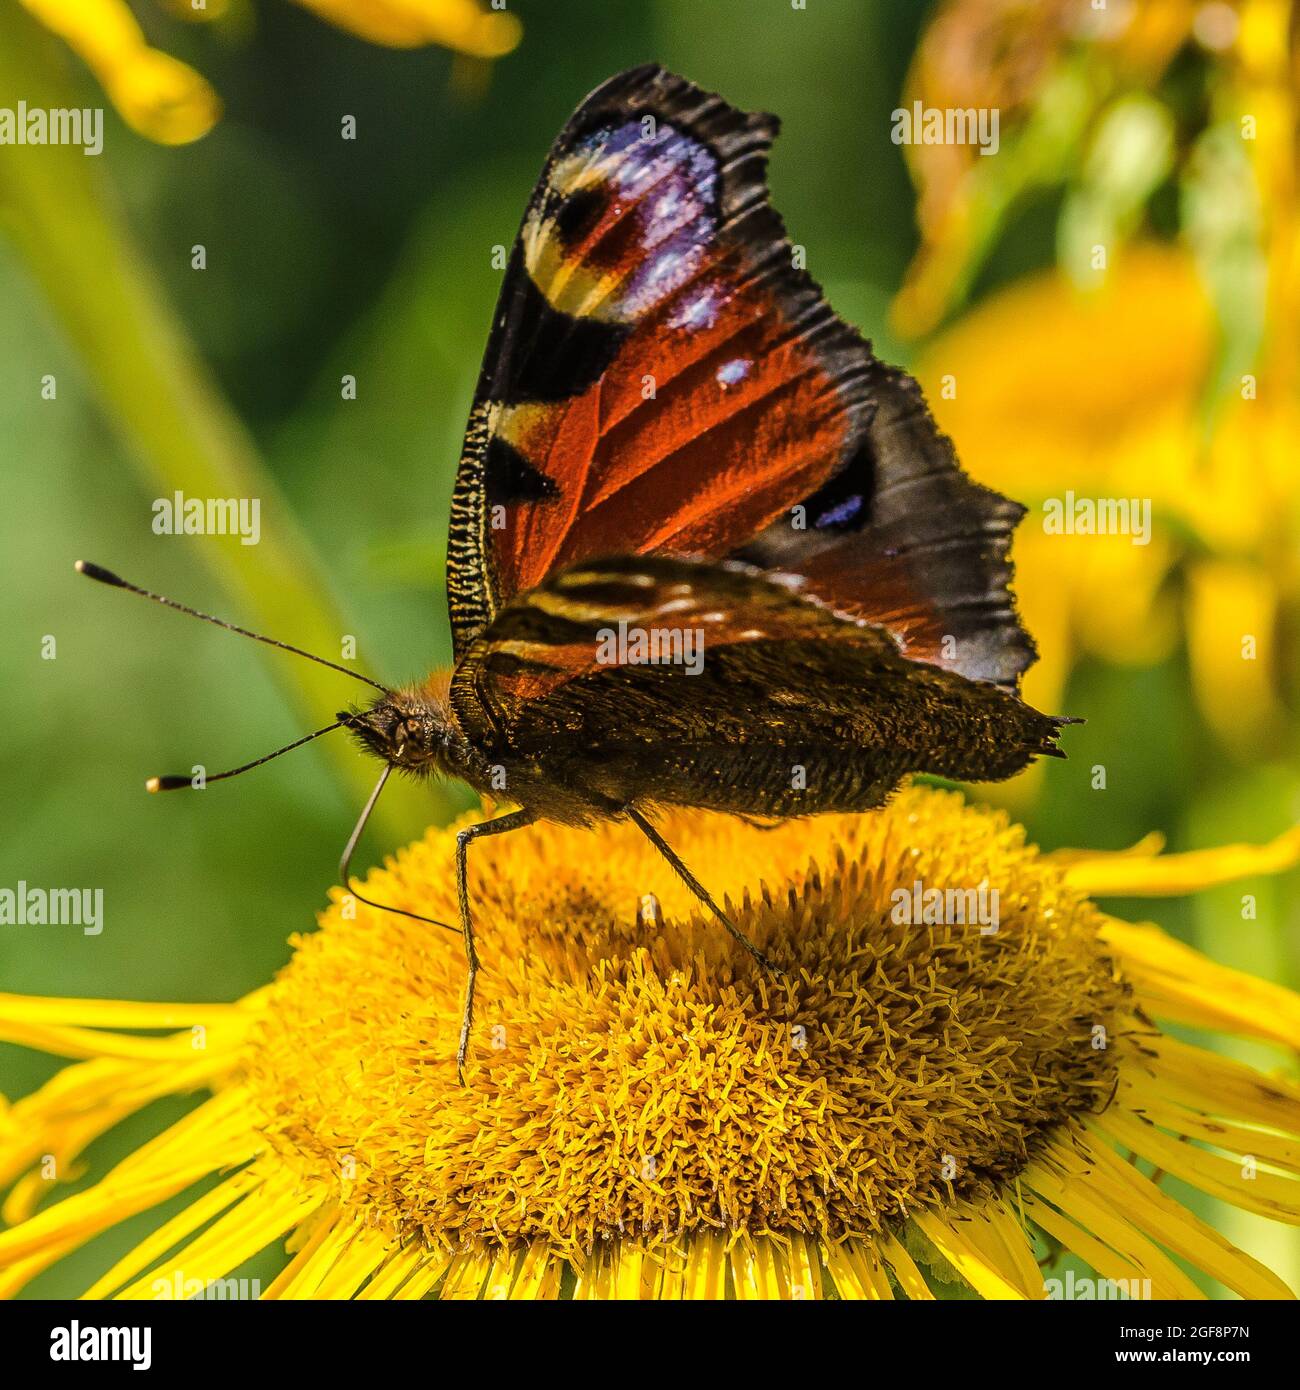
x=1052, y=392
x=157, y=95
x=1153, y=373
x=462, y=25
x=921, y=1100
x=1077, y=89
x=166, y=100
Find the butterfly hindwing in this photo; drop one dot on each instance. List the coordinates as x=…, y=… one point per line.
x=662, y=376
x=903, y=538
x=713, y=684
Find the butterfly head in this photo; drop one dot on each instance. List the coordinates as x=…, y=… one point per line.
x=407, y=729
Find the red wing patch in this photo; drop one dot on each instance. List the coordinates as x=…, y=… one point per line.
x=694, y=439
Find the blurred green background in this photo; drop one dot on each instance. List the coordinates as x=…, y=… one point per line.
x=373, y=258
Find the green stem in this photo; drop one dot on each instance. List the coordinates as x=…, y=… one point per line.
x=148, y=376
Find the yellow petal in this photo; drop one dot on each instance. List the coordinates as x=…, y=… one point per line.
x=1171, y=875
x=857, y=1272
x=158, y=95
x=394, y=1272
x=1057, y=388
x=1232, y=618
x=1268, y=1194
x=127, y=1013
x=429, y=1268
x=706, y=1276
x=1079, y=1242
x=1149, y=845
x=462, y=25
x=247, y=1228
x=990, y=1277
x=1176, y=982
x=468, y=1275
x=1096, y=1212
x=805, y=1270
x=540, y=1273
x=671, y=1262
x=343, y=1254
x=1145, y=1207
x=910, y=1279
x=1150, y=1099
x=1221, y=1086
x=185, y=1223
x=759, y=1270
x=1005, y=1245
x=76, y=1106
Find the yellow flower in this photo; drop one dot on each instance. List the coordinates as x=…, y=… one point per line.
x=157, y=95
x=462, y=25
x=1058, y=390
x=1164, y=373
x=1078, y=91
x=165, y=99
x=911, y=1105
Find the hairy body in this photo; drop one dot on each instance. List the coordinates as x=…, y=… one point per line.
x=821, y=713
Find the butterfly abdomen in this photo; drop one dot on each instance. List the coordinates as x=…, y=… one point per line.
x=777, y=779
x=830, y=758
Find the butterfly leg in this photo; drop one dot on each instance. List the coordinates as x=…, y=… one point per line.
x=696, y=887
x=514, y=821
x=345, y=864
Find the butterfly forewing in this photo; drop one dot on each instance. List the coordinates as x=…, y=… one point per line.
x=663, y=375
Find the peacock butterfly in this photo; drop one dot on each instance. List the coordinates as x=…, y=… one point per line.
x=705, y=549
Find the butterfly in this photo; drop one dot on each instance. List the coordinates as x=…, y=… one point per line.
x=705, y=549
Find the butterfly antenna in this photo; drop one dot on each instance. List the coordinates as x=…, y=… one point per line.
x=103, y=576
x=345, y=864
x=175, y=784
